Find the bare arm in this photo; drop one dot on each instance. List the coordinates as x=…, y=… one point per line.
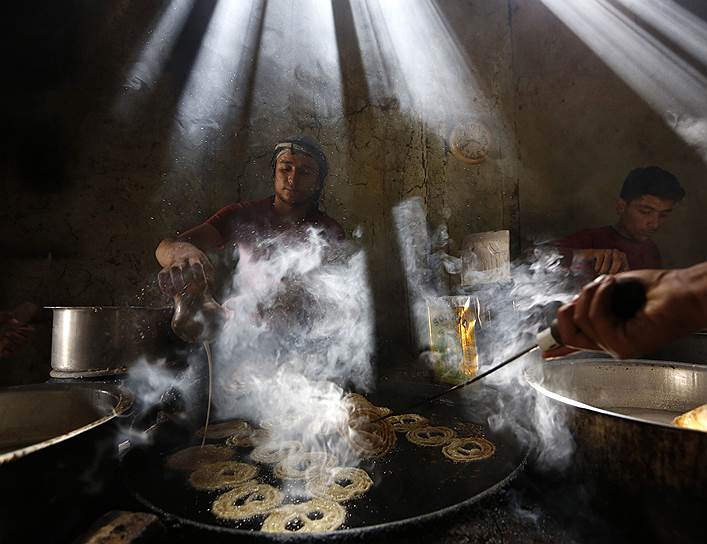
x=676, y=305
x=606, y=261
x=184, y=261
x=203, y=237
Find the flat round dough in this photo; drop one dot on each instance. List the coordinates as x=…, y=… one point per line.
x=300, y=465
x=274, y=453
x=192, y=458
x=695, y=419
x=246, y=501
x=248, y=438
x=222, y=475
x=315, y=516
x=224, y=429
x=339, y=484
x=430, y=436
x=407, y=422
x=367, y=435
x=467, y=449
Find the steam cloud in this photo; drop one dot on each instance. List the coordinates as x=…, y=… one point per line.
x=300, y=331
x=519, y=309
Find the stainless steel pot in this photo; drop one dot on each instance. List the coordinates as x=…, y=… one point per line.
x=621, y=415
x=105, y=340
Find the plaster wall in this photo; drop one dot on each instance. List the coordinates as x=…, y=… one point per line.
x=581, y=128
x=113, y=148
x=119, y=135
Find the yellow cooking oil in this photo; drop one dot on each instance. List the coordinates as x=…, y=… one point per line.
x=451, y=324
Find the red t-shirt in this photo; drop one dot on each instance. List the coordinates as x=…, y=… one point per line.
x=639, y=254
x=252, y=221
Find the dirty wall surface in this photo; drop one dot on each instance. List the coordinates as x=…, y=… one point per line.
x=131, y=121
x=581, y=128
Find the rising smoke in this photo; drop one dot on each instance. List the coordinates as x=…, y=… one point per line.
x=518, y=310
x=299, y=333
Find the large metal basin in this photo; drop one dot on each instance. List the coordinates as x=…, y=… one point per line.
x=35, y=417
x=621, y=415
x=58, y=453
x=629, y=455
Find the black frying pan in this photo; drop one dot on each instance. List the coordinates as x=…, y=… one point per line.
x=412, y=484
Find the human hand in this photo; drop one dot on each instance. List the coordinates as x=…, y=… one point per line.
x=189, y=269
x=14, y=328
x=606, y=261
x=674, y=307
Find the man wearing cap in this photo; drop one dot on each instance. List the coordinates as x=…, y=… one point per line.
x=299, y=169
x=647, y=197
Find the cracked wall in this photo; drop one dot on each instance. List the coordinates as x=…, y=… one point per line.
x=580, y=129
x=102, y=166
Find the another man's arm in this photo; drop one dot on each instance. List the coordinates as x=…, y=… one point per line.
x=676, y=305
x=604, y=260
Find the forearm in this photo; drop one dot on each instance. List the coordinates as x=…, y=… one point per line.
x=169, y=250
x=693, y=281
x=202, y=238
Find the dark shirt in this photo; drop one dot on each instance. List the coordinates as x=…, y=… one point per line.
x=639, y=254
x=250, y=222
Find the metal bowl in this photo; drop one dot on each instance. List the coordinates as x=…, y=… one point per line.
x=58, y=451
x=621, y=412
x=35, y=417
x=104, y=340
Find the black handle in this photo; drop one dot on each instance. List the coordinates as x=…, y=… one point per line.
x=628, y=296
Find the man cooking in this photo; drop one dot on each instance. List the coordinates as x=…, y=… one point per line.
x=647, y=197
x=299, y=170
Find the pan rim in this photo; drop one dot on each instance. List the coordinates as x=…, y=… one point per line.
x=123, y=401
x=347, y=532
x=533, y=376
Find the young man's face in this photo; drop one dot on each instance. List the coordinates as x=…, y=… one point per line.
x=642, y=217
x=296, y=179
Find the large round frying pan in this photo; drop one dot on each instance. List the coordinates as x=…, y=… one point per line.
x=412, y=484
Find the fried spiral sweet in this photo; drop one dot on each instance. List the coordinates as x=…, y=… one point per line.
x=467, y=449
x=222, y=475
x=223, y=429
x=407, y=422
x=248, y=438
x=275, y=453
x=192, y=458
x=367, y=435
x=355, y=401
x=315, y=516
x=430, y=435
x=246, y=501
x=339, y=484
x=300, y=465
